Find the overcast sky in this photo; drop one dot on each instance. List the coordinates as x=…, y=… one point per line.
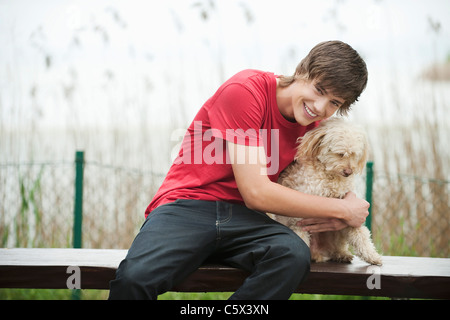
x=192, y=46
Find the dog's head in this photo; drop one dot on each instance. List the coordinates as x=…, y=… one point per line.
x=339, y=146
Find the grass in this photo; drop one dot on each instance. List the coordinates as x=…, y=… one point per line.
x=66, y=294
x=50, y=294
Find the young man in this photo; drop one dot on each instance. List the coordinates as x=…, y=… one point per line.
x=212, y=204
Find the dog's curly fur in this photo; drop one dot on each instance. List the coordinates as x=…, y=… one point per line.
x=325, y=164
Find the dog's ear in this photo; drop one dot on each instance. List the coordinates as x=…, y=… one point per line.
x=365, y=156
x=310, y=144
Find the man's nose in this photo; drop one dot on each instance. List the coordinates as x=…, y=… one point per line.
x=320, y=105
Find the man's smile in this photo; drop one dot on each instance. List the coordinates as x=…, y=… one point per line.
x=308, y=111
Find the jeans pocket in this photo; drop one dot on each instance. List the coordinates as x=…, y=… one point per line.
x=158, y=209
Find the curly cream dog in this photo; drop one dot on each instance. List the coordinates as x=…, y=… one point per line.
x=326, y=162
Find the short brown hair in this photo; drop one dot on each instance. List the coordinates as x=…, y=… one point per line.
x=337, y=68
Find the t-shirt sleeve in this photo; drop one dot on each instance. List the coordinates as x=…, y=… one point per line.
x=237, y=115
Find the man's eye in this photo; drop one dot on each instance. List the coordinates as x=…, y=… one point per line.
x=319, y=90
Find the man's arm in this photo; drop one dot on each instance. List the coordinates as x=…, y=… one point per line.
x=261, y=194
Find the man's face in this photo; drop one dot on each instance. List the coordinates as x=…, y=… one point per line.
x=311, y=102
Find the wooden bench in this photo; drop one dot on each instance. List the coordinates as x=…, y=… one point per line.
x=405, y=277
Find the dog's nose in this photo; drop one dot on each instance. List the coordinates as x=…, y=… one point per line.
x=347, y=172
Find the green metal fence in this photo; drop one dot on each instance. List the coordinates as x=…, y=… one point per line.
x=411, y=215
x=88, y=204
x=369, y=187
x=78, y=201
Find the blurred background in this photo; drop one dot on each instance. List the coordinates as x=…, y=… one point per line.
x=122, y=80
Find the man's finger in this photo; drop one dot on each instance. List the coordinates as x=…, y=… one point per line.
x=319, y=228
x=310, y=221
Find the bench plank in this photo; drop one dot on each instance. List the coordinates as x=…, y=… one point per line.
x=409, y=277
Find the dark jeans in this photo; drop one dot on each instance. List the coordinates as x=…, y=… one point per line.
x=178, y=237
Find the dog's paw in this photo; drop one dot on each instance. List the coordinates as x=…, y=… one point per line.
x=374, y=259
x=343, y=258
x=317, y=257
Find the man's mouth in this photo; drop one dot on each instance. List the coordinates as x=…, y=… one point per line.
x=309, y=112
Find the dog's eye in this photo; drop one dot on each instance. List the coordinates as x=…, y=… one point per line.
x=341, y=155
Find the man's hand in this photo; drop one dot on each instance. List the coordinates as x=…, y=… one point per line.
x=321, y=224
x=358, y=211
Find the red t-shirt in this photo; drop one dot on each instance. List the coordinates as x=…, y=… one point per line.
x=243, y=110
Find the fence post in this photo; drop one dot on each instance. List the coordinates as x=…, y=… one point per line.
x=369, y=185
x=78, y=201
x=78, y=209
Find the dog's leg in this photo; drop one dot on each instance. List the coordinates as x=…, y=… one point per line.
x=337, y=241
x=319, y=248
x=304, y=235
x=360, y=240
